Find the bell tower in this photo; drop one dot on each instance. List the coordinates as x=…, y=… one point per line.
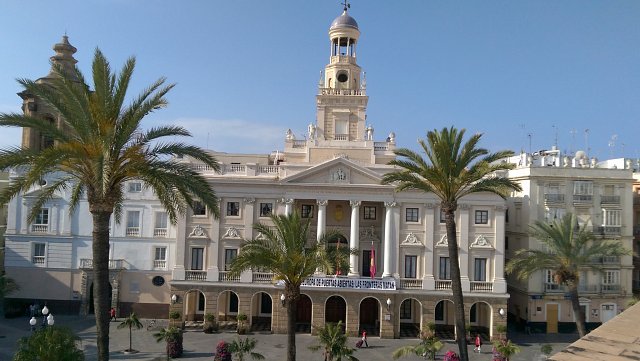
x=342, y=99
x=34, y=107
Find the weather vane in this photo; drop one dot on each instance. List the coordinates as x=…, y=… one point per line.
x=346, y=5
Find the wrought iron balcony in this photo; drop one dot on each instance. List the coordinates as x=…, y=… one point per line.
x=610, y=199
x=608, y=230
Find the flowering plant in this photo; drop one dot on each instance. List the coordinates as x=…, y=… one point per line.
x=222, y=352
x=451, y=356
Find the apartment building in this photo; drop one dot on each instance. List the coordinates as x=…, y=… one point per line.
x=600, y=195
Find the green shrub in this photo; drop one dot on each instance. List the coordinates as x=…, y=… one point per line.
x=52, y=344
x=174, y=315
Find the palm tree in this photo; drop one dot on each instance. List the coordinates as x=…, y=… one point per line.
x=334, y=342
x=504, y=349
x=98, y=148
x=241, y=347
x=284, y=251
x=568, y=249
x=132, y=322
x=428, y=347
x=173, y=337
x=451, y=171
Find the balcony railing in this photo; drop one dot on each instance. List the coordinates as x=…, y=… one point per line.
x=160, y=232
x=38, y=259
x=554, y=198
x=39, y=228
x=262, y=277
x=299, y=144
x=380, y=146
x=610, y=288
x=589, y=288
x=608, y=230
x=610, y=199
x=225, y=276
x=582, y=198
x=196, y=275
x=236, y=168
x=268, y=169
x=159, y=264
x=410, y=283
x=132, y=231
x=443, y=284
x=87, y=263
x=606, y=260
x=334, y=91
x=477, y=286
x=341, y=137
x=553, y=287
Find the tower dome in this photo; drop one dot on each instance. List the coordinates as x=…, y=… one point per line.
x=344, y=21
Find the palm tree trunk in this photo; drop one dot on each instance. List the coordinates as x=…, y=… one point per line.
x=456, y=283
x=130, y=348
x=577, y=310
x=101, y=280
x=291, y=303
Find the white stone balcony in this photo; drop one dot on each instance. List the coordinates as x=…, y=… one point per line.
x=478, y=286
x=341, y=137
x=262, y=277
x=115, y=264
x=225, y=276
x=410, y=283
x=195, y=275
x=39, y=228
x=160, y=264
x=159, y=232
x=38, y=260
x=132, y=231
x=443, y=284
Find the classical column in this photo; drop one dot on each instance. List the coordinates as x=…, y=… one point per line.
x=178, y=273
x=288, y=205
x=499, y=283
x=428, y=280
x=388, y=240
x=54, y=219
x=24, y=210
x=463, y=243
x=247, y=215
x=322, y=217
x=354, y=240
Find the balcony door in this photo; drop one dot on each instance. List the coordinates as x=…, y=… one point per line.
x=197, y=259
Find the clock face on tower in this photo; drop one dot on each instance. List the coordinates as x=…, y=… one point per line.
x=343, y=77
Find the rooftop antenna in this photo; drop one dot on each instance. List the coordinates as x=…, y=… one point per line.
x=612, y=144
x=346, y=5
x=529, y=135
x=586, y=141
x=573, y=139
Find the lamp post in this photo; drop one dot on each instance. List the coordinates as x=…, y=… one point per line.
x=47, y=318
x=282, y=299
x=33, y=323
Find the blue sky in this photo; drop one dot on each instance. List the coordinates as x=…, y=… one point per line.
x=247, y=70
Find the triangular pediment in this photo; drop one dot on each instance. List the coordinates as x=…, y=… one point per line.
x=37, y=192
x=337, y=171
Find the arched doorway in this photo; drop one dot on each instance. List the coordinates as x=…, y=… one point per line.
x=91, y=300
x=445, y=320
x=227, y=310
x=303, y=317
x=410, y=318
x=370, y=316
x=480, y=320
x=194, y=305
x=335, y=310
x=261, y=312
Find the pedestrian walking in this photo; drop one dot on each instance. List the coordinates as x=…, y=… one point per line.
x=478, y=347
x=364, y=338
x=112, y=314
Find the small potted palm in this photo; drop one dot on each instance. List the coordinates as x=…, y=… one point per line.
x=131, y=322
x=173, y=337
x=210, y=324
x=242, y=323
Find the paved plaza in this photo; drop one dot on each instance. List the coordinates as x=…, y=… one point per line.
x=200, y=346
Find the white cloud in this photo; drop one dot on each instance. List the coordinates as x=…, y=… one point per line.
x=233, y=136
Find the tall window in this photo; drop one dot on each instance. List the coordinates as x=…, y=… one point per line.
x=482, y=217
x=160, y=229
x=411, y=215
x=266, y=209
x=553, y=214
x=307, y=211
x=39, y=253
x=611, y=278
x=612, y=217
x=199, y=209
x=41, y=222
x=229, y=255
x=233, y=209
x=445, y=269
x=197, y=258
x=133, y=223
x=480, y=269
x=160, y=258
x=410, y=266
x=583, y=187
x=135, y=187
x=369, y=212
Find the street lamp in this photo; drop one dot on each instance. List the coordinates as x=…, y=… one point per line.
x=33, y=322
x=502, y=312
x=50, y=320
x=47, y=320
x=388, y=304
x=282, y=298
x=174, y=298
